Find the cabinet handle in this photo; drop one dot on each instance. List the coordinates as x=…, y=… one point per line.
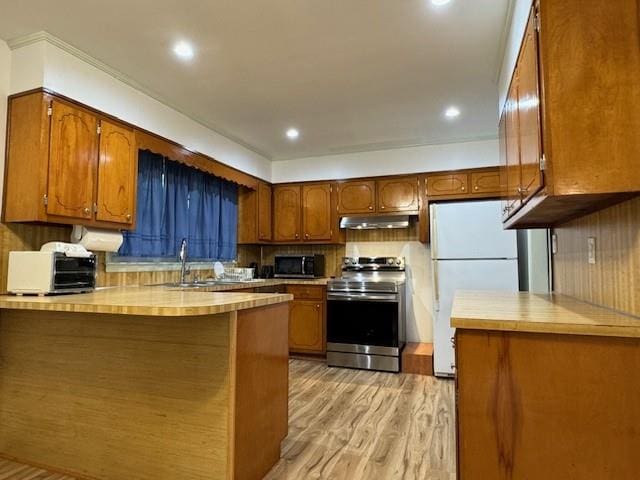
x=476, y=187
x=522, y=190
x=297, y=236
x=318, y=305
x=463, y=189
x=370, y=208
x=128, y=216
x=87, y=211
x=306, y=235
x=381, y=207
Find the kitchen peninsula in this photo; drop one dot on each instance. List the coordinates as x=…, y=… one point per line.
x=547, y=387
x=145, y=382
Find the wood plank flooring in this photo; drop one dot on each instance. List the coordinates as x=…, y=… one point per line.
x=352, y=425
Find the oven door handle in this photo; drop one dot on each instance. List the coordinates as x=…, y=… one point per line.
x=363, y=297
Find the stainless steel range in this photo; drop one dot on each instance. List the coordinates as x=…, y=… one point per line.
x=366, y=314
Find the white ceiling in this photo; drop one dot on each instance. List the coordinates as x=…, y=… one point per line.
x=351, y=75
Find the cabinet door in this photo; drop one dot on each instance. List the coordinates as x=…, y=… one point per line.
x=502, y=133
x=117, y=172
x=447, y=184
x=306, y=326
x=73, y=155
x=513, y=149
x=264, y=212
x=286, y=211
x=316, y=212
x=529, y=112
x=485, y=182
x=357, y=197
x=397, y=195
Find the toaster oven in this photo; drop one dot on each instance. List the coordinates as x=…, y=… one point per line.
x=50, y=273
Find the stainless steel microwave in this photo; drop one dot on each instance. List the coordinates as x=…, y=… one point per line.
x=299, y=266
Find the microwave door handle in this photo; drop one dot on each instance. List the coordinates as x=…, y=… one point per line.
x=302, y=262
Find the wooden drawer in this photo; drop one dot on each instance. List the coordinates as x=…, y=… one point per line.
x=447, y=184
x=485, y=182
x=306, y=292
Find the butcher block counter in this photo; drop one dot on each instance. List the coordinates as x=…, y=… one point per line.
x=145, y=383
x=546, y=386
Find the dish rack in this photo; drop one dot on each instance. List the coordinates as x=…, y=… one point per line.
x=237, y=274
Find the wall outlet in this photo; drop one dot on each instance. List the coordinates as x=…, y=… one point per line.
x=591, y=245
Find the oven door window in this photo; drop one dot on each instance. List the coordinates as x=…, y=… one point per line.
x=362, y=323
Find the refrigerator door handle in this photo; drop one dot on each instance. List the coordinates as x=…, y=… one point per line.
x=434, y=232
x=436, y=287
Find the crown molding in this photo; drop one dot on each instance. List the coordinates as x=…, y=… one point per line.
x=43, y=36
x=378, y=147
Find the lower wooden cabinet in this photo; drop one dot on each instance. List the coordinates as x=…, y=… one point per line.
x=306, y=326
x=307, y=319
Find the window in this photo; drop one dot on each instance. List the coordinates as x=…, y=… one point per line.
x=175, y=201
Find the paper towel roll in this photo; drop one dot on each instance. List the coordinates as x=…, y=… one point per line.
x=95, y=239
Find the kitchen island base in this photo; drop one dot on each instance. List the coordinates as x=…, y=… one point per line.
x=113, y=396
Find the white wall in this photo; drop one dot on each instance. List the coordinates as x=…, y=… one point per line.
x=517, y=27
x=44, y=64
x=5, y=68
x=389, y=162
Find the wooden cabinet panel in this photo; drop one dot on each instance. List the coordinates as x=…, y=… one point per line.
x=356, y=197
x=72, y=161
x=117, y=174
x=502, y=139
x=316, y=212
x=306, y=326
x=306, y=292
x=485, y=182
x=264, y=212
x=529, y=113
x=286, y=212
x=397, y=195
x=513, y=170
x=447, y=184
x=518, y=391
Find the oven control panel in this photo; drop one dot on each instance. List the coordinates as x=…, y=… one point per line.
x=373, y=263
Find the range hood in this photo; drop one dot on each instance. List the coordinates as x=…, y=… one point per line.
x=374, y=222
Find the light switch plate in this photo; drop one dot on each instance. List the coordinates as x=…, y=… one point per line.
x=591, y=244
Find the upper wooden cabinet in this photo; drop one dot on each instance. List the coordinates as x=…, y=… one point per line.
x=447, y=184
x=572, y=116
x=67, y=164
x=73, y=155
x=397, y=195
x=255, y=214
x=306, y=213
x=117, y=174
x=486, y=182
x=356, y=197
x=317, y=212
x=286, y=212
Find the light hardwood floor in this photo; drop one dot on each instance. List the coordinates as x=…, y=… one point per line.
x=352, y=425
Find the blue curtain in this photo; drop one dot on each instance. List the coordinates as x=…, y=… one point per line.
x=190, y=204
x=150, y=237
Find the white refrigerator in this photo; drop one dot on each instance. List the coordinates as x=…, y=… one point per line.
x=469, y=251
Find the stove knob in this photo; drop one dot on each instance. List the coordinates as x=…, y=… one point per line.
x=390, y=261
x=399, y=261
x=354, y=261
x=346, y=261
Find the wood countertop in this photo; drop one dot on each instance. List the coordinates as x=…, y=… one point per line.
x=526, y=312
x=261, y=282
x=158, y=301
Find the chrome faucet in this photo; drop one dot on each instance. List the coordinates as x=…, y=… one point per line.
x=183, y=260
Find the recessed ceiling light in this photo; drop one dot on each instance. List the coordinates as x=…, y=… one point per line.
x=183, y=50
x=293, y=133
x=452, y=112
x=439, y=3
